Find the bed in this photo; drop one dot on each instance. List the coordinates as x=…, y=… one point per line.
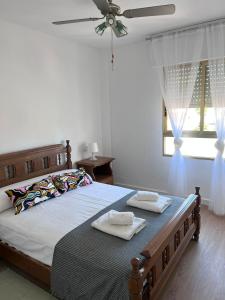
x=148, y=272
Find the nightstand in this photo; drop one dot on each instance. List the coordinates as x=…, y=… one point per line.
x=100, y=169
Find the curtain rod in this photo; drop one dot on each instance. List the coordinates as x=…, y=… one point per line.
x=185, y=28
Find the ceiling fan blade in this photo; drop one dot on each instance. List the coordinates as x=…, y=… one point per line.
x=75, y=21
x=102, y=5
x=150, y=11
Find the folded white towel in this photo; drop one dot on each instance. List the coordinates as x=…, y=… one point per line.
x=147, y=196
x=158, y=206
x=120, y=218
x=121, y=231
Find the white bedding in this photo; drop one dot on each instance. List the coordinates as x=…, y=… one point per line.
x=36, y=231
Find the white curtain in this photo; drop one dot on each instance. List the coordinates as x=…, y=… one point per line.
x=177, y=58
x=216, y=52
x=179, y=81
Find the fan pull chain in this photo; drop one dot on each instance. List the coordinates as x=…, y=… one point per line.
x=112, y=49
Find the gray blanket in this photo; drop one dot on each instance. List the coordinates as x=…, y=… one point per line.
x=91, y=265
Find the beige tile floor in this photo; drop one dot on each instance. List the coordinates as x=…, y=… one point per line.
x=15, y=287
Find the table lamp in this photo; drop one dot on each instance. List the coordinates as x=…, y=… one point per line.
x=93, y=148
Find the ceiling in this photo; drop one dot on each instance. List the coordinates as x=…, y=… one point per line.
x=38, y=14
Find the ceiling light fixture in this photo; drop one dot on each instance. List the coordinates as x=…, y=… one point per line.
x=110, y=11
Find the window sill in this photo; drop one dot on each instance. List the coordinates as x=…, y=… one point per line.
x=190, y=157
x=193, y=134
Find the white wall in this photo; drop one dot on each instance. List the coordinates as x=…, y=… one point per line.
x=105, y=104
x=50, y=90
x=53, y=89
x=136, y=126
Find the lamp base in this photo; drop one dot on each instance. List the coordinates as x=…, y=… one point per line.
x=93, y=157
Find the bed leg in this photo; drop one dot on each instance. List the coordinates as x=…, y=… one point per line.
x=197, y=216
x=135, y=280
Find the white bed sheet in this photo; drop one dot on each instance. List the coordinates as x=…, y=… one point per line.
x=36, y=231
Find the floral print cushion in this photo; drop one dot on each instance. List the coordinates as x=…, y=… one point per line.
x=71, y=180
x=31, y=195
x=84, y=178
x=64, y=183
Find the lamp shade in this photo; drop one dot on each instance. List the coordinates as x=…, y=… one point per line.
x=93, y=147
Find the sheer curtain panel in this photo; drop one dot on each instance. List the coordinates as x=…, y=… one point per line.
x=176, y=57
x=216, y=52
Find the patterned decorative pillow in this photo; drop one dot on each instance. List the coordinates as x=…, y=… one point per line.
x=64, y=183
x=83, y=177
x=71, y=180
x=31, y=195
x=86, y=180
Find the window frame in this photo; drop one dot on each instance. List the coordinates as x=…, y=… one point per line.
x=191, y=133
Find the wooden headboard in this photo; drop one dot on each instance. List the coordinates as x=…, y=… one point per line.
x=22, y=165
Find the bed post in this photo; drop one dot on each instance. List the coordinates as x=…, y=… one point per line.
x=135, y=280
x=68, y=154
x=197, y=216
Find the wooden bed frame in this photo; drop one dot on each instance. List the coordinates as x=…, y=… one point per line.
x=158, y=259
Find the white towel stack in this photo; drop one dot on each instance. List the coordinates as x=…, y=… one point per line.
x=120, y=218
x=124, y=231
x=147, y=196
x=150, y=201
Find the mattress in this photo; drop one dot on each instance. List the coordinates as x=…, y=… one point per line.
x=36, y=231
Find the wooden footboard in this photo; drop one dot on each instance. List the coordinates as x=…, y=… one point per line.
x=159, y=258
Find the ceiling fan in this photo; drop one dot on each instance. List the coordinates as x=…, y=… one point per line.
x=110, y=11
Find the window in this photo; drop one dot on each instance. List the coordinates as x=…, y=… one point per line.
x=199, y=131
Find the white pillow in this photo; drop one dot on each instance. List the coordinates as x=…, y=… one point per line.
x=5, y=202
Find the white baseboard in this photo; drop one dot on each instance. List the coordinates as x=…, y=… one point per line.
x=205, y=201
